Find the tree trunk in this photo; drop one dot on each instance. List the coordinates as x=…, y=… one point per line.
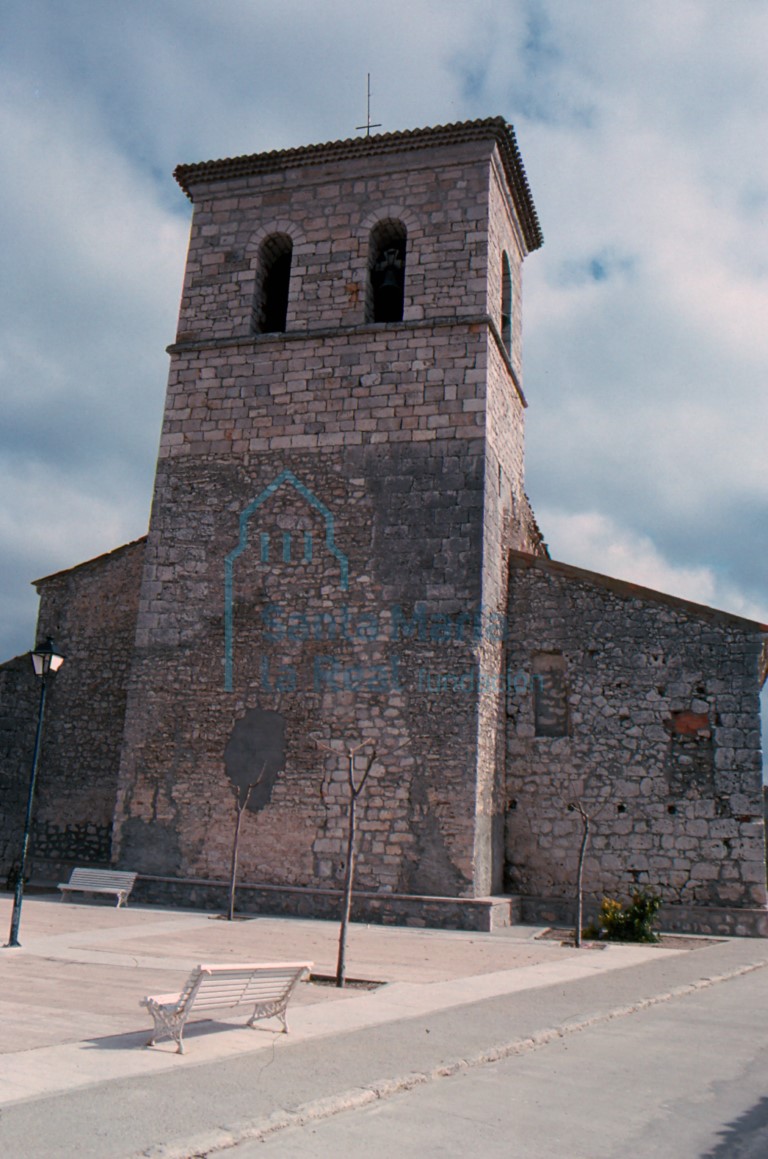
x=240, y=806
x=233, y=869
x=580, y=877
x=349, y=874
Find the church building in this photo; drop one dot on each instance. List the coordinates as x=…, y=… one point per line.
x=343, y=571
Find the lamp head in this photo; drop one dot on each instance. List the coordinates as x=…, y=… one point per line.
x=46, y=659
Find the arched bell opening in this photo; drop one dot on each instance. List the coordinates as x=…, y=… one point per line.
x=506, y=304
x=385, y=298
x=270, y=310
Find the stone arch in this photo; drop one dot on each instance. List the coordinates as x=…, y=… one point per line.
x=386, y=271
x=276, y=225
x=273, y=283
x=393, y=213
x=270, y=251
x=411, y=230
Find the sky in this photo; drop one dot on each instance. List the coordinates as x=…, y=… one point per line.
x=643, y=131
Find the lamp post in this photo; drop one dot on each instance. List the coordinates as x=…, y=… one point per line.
x=45, y=660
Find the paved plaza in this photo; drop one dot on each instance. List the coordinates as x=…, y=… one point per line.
x=73, y=1033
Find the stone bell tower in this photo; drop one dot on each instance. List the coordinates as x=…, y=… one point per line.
x=340, y=475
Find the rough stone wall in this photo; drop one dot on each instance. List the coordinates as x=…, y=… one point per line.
x=374, y=431
x=335, y=662
x=503, y=526
x=90, y=612
x=19, y=700
x=505, y=236
x=647, y=709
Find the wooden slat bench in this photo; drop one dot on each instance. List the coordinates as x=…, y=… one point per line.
x=267, y=986
x=112, y=881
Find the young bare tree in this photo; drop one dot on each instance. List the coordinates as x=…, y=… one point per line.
x=588, y=812
x=356, y=780
x=242, y=797
x=578, y=806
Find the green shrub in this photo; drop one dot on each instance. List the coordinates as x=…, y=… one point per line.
x=631, y=923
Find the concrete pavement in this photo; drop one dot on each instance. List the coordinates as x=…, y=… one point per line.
x=685, y=1079
x=71, y=1057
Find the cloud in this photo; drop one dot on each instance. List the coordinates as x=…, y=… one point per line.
x=50, y=521
x=645, y=342
x=93, y=264
x=594, y=541
x=647, y=385
x=91, y=261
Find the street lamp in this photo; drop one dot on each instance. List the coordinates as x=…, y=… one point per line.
x=45, y=659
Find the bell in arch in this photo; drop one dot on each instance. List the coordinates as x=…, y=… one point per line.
x=388, y=285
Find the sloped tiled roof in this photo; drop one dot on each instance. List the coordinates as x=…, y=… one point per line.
x=97, y=561
x=627, y=590
x=490, y=128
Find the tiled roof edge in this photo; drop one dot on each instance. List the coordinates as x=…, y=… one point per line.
x=90, y=562
x=407, y=139
x=630, y=590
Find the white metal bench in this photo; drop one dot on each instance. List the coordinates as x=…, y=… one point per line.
x=267, y=986
x=111, y=881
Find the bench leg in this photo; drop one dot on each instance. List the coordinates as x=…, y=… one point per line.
x=168, y=1024
x=269, y=1010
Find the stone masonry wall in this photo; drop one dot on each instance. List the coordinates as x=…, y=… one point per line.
x=371, y=658
x=503, y=526
x=19, y=700
x=440, y=195
x=646, y=708
x=90, y=611
x=316, y=546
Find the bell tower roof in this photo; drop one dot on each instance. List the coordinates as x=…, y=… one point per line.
x=489, y=129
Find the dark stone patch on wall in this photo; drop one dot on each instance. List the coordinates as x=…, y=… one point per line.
x=255, y=755
x=426, y=500
x=550, y=695
x=431, y=870
x=82, y=842
x=151, y=844
x=19, y=698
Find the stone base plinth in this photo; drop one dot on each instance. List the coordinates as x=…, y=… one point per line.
x=732, y=922
x=454, y=913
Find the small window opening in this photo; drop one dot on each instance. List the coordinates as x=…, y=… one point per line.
x=271, y=304
x=550, y=695
x=506, y=304
x=386, y=272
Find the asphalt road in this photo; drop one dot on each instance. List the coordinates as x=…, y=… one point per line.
x=687, y=1079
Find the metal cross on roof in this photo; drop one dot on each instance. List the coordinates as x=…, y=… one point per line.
x=368, y=124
